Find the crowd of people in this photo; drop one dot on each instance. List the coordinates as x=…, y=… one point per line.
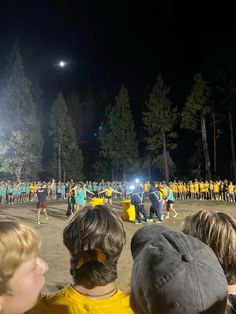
x=12, y=192
x=76, y=194
x=189, y=271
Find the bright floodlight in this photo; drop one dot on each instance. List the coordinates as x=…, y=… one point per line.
x=137, y=180
x=132, y=187
x=62, y=64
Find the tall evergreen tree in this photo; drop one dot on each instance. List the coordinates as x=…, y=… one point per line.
x=20, y=115
x=37, y=94
x=18, y=158
x=226, y=98
x=67, y=159
x=195, y=112
x=75, y=107
x=159, y=120
x=117, y=136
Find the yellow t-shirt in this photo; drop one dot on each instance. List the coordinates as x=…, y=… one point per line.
x=32, y=188
x=231, y=188
x=174, y=187
x=201, y=187
x=185, y=188
x=73, y=192
x=36, y=187
x=163, y=190
x=191, y=188
x=216, y=187
x=69, y=301
x=206, y=187
x=180, y=188
x=196, y=187
x=109, y=191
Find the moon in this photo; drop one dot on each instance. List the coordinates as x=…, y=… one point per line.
x=62, y=63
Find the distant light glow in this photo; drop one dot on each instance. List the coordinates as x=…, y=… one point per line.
x=62, y=64
x=137, y=180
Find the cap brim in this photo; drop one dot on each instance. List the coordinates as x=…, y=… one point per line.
x=145, y=235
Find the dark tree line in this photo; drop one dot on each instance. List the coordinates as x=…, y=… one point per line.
x=38, y=141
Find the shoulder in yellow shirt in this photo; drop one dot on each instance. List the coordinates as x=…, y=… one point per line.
x=69, y=301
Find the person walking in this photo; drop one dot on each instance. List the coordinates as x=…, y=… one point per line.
x=169, y=199
x=42, y=204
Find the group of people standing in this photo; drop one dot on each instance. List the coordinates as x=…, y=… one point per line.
x=158, y=198
x=12, y=192
x=219, y=190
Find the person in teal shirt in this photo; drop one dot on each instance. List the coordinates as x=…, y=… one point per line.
x=169, y=199
x=10, y=194
x=2, y=193
x=80, y=196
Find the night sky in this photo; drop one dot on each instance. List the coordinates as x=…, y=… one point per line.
x=110, y=43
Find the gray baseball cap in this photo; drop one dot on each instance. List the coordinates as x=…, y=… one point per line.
x=175, y=273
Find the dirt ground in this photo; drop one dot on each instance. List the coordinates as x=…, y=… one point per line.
x=54, y=252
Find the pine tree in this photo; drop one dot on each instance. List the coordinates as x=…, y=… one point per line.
x=195, y=112
x=77, y=113
x=226, y=98
x=17, y=155
x=20, y=115
x=117, y=136
x=67, y=160
x=159, y=121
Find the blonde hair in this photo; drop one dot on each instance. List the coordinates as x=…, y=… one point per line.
x=18, y=242
x=218, y=231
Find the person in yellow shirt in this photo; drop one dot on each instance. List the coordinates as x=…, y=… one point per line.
x=211, y=190
x=180, y=190
x=196, y=189
x=108, y=194
x=231, y=192
x=206, y=190
x=33, y=189
x=191, y=190
x=163, y=189
x=146, y=188
x=221, y=190
x=94, y=238
x=201, y=190
x=174, y=188
x=185, y=191
x=216, y=188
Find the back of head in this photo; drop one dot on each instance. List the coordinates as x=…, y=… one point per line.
x=95, y=238
x=175, y=273
x=217, y=230
x=18, y=242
